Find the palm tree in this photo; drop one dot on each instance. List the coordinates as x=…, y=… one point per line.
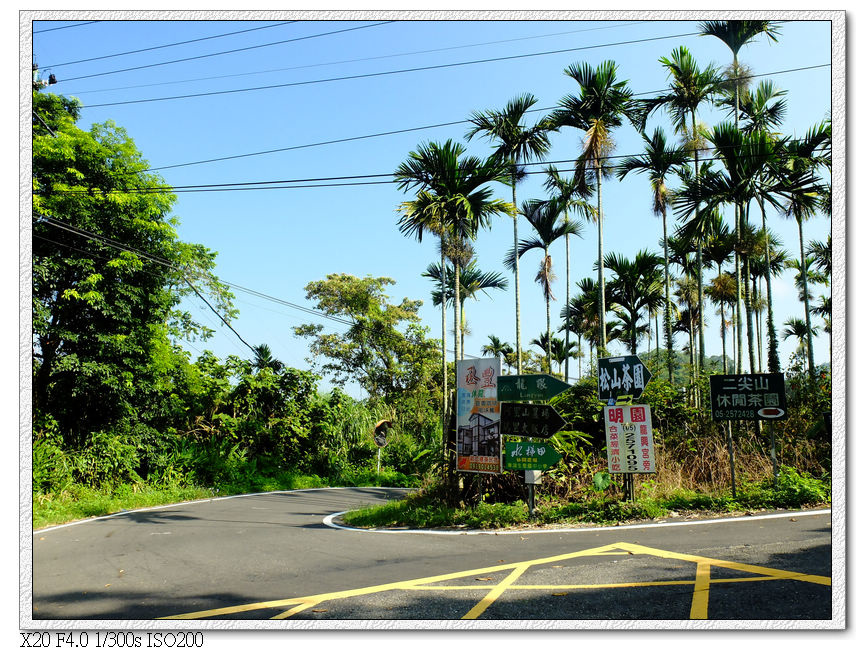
x=722, y=291
x=472, y=281
x=689, y=88
x=517, y=144
x=805, y=197
x=599, y=109
x=573, y=192
x=497, y=348
x=544, y=219
x=452, y=203
x=635, y=286
x=801, y=330
x=264, y=358
x=658, y=161
x=735, y=34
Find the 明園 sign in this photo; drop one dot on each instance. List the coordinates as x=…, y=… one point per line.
x=748, y=397
x=478, y=426
x=630, y=448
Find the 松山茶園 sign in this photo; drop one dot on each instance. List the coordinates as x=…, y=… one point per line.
x=630, y=448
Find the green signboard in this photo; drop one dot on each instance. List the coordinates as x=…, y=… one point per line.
x=518, y=388
x=530, y=455
x=748, y=397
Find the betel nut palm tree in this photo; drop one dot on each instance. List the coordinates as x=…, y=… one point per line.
x=601, y=107
x=689, y=87
x=735, y=34
x=452, y=202
x=516, y=143
x=658, y=161
x=544, y=217
x=572, y=192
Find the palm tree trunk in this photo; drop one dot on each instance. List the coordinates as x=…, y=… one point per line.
x=701, y=340
x=804, y=272
x=602, y=304
x=738, y=212
x=549, y=333
x=517, y=277
x=668, y=322
x=444, y=356
x=738, y=311
x=723, y=339
x=457, y=349
x=567, y=302
x=749, y=321
x=772, y=360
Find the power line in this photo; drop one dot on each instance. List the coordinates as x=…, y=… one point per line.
x=235, y=51
x=387, y=72
x=359, y=60
x=54, y=29
x=416, y=128
x=353, y=180
x=159, y=47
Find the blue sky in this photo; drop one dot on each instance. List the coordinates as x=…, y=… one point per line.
x=275, y=241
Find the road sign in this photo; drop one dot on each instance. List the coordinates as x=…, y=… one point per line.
x=379, y=434
x=529, y=455
x=531, y=420
x=529, y=387
x=748, y=397
x=621, y=376
x=630, y=448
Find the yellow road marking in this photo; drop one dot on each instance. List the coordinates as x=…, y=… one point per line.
x=496, y=591
x=699, y=603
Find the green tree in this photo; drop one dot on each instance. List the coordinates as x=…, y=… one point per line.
x=384, y=350
x=472, y=282
x=735, y=34
x=453, y=202
x=516, y=144
x=636, y=286
x=108, y=275
x=544, y=217
x=573, y=192
x=498, y=348
x=600, y=108
x=658, y=161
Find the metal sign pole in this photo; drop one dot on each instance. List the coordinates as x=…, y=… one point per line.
x=774, y=455
x=730, y=453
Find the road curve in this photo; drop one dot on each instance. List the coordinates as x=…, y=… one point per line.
x=269, y=559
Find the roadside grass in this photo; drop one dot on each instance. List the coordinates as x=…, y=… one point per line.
x=422, y=510
x=77, y=502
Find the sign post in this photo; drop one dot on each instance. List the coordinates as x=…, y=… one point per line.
x=531, y=421
x=621, y=380
x=757, y=398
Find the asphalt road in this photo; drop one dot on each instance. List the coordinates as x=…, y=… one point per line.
x=274, y=557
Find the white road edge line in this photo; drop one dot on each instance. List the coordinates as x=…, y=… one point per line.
x=328, y=521
x=195, y=501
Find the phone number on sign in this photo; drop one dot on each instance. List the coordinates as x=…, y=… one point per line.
x=734, y=414
x=112, y=640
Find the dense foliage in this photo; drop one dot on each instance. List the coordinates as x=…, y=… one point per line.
x=118, y=402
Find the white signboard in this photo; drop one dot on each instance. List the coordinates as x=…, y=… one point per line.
x=479, y=446
x=630, y=448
